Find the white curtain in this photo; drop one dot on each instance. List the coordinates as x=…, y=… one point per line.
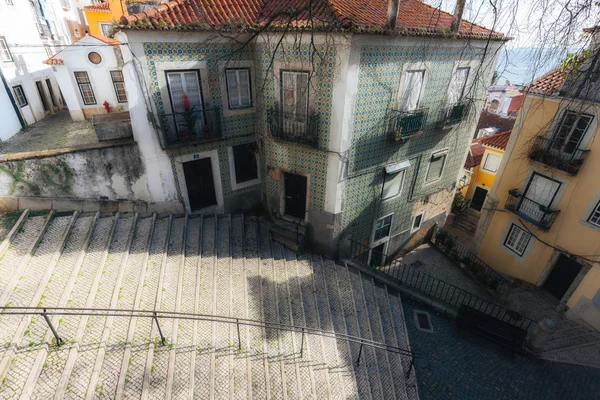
x=456, y=90
x=411, y=90
x=181, y=83
x=392, y=184
x=238, y=88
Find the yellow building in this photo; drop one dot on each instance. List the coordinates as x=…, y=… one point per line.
x=101, y=16
x=544, y=226
x=481, y=166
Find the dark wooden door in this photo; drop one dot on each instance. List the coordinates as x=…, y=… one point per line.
x=200, y=183
x=295, y=195
x=478, y=198
x=377, y=256
x=43, y=99
x=562, y=276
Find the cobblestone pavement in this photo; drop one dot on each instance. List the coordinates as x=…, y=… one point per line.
x=222, y=265
x=53, y=132
x=464, y=366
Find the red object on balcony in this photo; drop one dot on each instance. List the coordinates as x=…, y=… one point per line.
x=106, y=106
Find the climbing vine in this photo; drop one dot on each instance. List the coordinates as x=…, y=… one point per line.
x=59, y=175
x=17, y=177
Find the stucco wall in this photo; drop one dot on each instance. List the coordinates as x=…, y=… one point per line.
x=110, y=173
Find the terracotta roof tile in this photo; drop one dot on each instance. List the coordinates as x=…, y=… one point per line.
x=516, y=103
x=548, y=84
x=414, y=16
x=102, y=7
x=476, y=151
x=498, y=141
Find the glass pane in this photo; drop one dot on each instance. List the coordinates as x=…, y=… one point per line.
x=542, y=190
x=232, y=89
x=411, y=91
x=392, y=184
x=457, y=85
x=192, y=89
x=244, y=88
x=435, y=167
x=491, y=162
x=302, y=94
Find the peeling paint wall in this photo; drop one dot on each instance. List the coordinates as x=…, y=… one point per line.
x=110, y=173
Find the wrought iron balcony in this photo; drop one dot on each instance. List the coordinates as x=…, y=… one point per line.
x=297, y=128
x=193, y=126
x=455, y=113
x=549, y=152
x=404, y=124
x=539, y=215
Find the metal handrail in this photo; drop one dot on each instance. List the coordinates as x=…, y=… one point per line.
x=530, y=210
x=463, y=207
x=404, y=124
x=542, y=151
x=45, y=312
x=439, y=289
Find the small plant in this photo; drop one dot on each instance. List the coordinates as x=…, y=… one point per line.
x=493, y=283
x=449, y=246
x=440, y=237
x=465, y=262
x=457, y=203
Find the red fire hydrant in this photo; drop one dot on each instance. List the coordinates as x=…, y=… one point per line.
x=106, y=106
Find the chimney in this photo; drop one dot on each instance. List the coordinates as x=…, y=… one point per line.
x=392, y=15
x=458, y=12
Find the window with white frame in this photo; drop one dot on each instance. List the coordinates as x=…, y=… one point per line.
x=436, y=167
x=411, y=90
x=104, y=28
x=383, y=228
x=458, y=83
x=417, y=221
x=392, y=184
x=85, y=87
x=182, y=84
x=5, y=54
x=239, y=89
x=517, y=239
x=20, y=96
x=119, y=85
x=570, y=132
x=594, y=218
x=245, y=164
x=491, y=163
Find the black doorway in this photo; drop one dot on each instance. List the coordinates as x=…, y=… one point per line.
x=43, y=98
x=478, y=198
x=562, y=276
x=377, y=256
x=200, y=183
x=295, y=195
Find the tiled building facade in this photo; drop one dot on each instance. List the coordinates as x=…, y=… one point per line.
x=353, y=85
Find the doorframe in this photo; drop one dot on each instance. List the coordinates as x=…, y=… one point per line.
x=373, y=243
x=282, y=173
x=214, y=162
x=45, y=97
x=585, y=267
x=486, y=188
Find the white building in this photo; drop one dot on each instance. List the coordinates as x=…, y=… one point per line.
x=30, y=32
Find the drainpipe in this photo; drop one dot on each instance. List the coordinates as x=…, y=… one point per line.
x=12, y=100
x=458, y=12
x=392, y=15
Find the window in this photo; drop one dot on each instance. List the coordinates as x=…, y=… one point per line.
x=517, y=240
x=382, y=228
x=20, y=96
x=184, y=83
x=244, y=165
x=412, y=87
x=417, y=221
x=492, y=161
x=5, y=55
x=104, y=28
x=9, y=2
x=85, y=88
x=51, y=92
x=458, y=83
x=239, y=90
x=436, y=167
x=119, y=85
x=392, y=184
x=65, y=4
x=570, y=132
x=594, y=218
x=48, y=50
x=94, y=58
x=294, y=94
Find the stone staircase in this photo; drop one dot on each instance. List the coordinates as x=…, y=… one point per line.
x=226, y=265
x=290, y=232
x=467, y=221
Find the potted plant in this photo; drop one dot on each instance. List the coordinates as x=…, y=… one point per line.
x=465, y=262
x=189, y=118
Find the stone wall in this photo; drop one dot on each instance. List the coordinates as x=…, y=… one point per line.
x=111, y=171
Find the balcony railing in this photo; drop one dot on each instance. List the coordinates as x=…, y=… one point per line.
x=455, y=113
x=404, y=124
x=297, y=128
x=530, y=210
x=194, y=126
x=545, y=151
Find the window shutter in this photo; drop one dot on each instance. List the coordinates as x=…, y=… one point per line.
x=176, y=90
x=392, y=184
x=435, y=167
x=302, y=94
x=233, y=89
x=244, y=88
x=192, y=89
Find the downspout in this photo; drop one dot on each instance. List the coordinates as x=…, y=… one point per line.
x=12, y=100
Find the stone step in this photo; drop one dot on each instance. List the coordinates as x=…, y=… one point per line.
x=277, y=230
x=588, y=338
x=290, y=226
x=10, y=228
x=291, y=244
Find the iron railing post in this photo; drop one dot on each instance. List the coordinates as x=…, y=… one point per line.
x=359, y=354
x=237, y=323
x=162, y=338
x=302, y=345
x=412, y=362
x=59, y=341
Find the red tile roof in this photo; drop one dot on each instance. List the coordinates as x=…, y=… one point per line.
x=414, y=16
x=497, y=141
x=102, y=7
x=476, y=151
x=548, y=84
x=516, y=103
